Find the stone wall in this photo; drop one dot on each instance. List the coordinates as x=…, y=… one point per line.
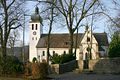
x=102, y=65
x=105, y=65
x=55, y=68
x=62, y=68
x=80, y=65
x=92, y=64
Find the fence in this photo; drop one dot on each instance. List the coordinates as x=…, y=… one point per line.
x=62, y=68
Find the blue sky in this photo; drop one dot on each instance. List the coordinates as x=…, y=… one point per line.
x=100, y=25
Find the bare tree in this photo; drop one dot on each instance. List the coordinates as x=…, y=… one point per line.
x=114, y=21
x=10, y=19
x=13, y=39
x=51, y=19
x=69, y=8
x=50, y=14
x=117, y=18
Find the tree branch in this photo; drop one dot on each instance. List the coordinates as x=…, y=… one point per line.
x=84, y=12
x=10, y=4
x=16, y=26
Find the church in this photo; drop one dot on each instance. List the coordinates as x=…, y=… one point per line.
x=97, y=43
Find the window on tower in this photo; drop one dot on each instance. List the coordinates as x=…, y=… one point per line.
x=43, y=54
x=32, y=26
x=36, y=26
x=32, y=38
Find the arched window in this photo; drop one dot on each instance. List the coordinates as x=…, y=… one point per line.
x=53, y=52
x=32, y=26
x=88, y=39
x=64, y=52
x=43, y=54
x=36, y=26
x=32, y=38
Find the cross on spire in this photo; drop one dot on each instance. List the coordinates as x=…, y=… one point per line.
x=36, y=10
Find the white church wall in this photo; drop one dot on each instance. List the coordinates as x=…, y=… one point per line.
x=34, y=37
x=59, y=51
x=94, y=50
x=86, y=42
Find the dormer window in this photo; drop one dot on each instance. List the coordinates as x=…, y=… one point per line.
x=66, y=43
x=32, y=26
x=88, y=39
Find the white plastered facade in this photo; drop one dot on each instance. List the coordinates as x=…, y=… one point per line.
x=92, y=43
x=59, y=51
x=34, y=36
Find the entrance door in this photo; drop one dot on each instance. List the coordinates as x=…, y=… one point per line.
x=86, y=62
x=86, y=66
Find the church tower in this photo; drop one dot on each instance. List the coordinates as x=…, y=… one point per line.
x=35, y=33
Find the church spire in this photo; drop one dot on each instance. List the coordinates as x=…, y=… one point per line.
x=36, y=17
x=36, y=10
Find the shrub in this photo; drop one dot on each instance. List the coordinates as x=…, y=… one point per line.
x=60, y=59
x=114, y=47
x=39, y=70
x=66, y=58
x=114, y=50
x=43, y=70
x=55, y=59
x=10, y=65
x=35, y=70
x=27, y=69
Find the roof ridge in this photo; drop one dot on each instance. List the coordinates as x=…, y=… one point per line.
x=78, y=33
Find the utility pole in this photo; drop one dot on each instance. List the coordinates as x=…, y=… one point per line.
x=23, y=48
x=23, y=53
x=91, y=33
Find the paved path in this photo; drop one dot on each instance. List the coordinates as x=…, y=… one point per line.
x=85, y=76
x=77, y=76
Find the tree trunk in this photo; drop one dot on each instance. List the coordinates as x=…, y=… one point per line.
x=3, y=50
x=48, y=45
x=76, y=42
x=71, y=43
x=48, y=42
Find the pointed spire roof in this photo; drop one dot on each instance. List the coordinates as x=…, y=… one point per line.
x=36, y=17
x=36, y=10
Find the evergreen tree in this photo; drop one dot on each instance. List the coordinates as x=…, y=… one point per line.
x=114, y=47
